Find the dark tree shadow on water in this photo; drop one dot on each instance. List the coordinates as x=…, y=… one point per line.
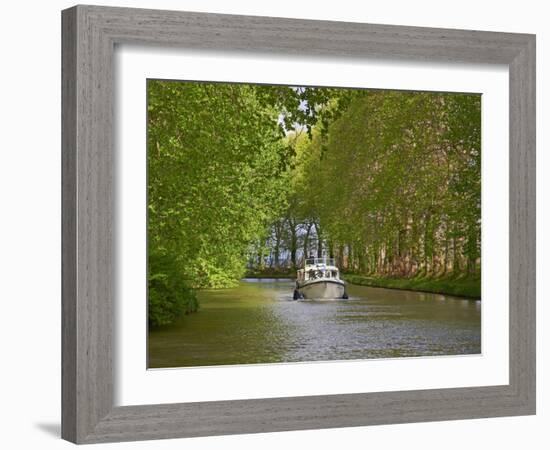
x=53, y=429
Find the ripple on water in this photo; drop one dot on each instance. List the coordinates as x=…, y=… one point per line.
x=258, y=322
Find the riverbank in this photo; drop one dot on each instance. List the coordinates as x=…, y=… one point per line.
x=469, y=287
x=460, y=286
x=270, y=274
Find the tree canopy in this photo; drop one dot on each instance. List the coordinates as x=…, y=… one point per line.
x=256, y=177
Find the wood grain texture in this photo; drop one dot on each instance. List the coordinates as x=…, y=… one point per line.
x=89, y=36
x=68, y=225
x=522, y=224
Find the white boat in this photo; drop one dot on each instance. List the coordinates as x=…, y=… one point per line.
x=319, y=280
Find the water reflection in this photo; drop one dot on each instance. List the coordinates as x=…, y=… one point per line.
x=258, y=322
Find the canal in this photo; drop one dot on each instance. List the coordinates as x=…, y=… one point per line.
x=258, y=322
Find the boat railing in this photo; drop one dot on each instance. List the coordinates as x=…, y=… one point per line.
x=315, y=261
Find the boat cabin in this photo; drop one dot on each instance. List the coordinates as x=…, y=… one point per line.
x=318, y=268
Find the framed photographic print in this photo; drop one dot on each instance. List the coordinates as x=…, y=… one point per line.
x=268, y=222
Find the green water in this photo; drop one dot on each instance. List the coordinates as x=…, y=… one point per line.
x=258, y=322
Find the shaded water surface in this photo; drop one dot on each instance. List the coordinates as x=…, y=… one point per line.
x=258, y=322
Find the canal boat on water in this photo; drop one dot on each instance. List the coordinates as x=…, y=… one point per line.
x=319, y=280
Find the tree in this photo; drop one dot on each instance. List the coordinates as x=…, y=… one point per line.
x=388, y=182
x=216, y=161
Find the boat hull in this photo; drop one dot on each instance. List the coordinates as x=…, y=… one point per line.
x=322, y=290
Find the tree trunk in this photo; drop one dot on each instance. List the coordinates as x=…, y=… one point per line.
x=293, y=243
x=276, y=251
x=261, y=261
x=456, y=258
x=446, y=256
x=319, y=241
x=306, y=241
x=341, y=256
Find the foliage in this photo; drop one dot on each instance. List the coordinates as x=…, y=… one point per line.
x=248, y=177
x=169, y=295
x=216, y=161
x=392, y=185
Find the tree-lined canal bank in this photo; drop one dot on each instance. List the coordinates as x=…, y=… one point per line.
x=459, y=286
x=246, y=177
x=257, y=322
x=462, y=286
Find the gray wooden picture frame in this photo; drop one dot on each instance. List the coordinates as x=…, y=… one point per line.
x=89, y=36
